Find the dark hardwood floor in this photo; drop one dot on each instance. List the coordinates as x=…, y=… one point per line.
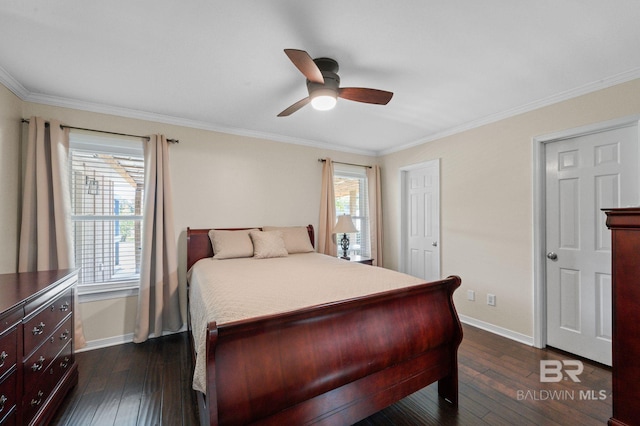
x=499, y=384
x=133, y=384
x=149, y=384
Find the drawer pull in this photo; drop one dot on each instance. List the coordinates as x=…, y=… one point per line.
x=36, y=402
x=3, y=356
x=64, y=307
x=37, y=366
x=3, y=400
x=64, y=363
x=38, y=329
x=64, y=335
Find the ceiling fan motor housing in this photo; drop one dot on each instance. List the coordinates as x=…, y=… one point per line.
x=329, y=68
x=331, y=84
x=327, y=64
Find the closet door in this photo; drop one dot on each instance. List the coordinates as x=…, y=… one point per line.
x=584, y=175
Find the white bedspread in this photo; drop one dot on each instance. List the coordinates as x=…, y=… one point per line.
x=235, y=289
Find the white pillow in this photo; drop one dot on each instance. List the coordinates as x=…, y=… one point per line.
x=231, y=244
x=296, y=238
x=268, y=244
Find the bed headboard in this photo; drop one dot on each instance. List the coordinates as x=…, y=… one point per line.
x=199, y=244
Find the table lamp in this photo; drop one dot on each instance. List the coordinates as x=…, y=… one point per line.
x=344, y=226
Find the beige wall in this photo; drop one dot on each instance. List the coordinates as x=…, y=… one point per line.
x=487, y=201
x=226, y=180
x=107, y=322
x=10, y=114
x=219, y=180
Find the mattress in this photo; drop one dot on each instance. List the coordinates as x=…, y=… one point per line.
x=230, y=290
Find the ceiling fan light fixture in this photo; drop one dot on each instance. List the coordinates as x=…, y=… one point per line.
x=323, y=85
x=324, y=99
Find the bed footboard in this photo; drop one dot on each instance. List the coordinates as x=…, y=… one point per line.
x=334, y=363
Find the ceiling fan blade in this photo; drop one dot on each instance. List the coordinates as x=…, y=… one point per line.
x=369, y=96
x=293, y=108
x=305, y=64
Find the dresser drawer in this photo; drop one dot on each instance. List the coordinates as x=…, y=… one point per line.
x=10, y=320
x=8, y=351
x=8, y=392
x=35, y=398
x=40, y=326
x=36, y=365
x=9, y=341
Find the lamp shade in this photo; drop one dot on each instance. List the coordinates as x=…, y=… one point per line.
x=344, y=225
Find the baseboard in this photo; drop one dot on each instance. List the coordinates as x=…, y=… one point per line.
x=500, y=331
x=119, y=340
x=105, y=343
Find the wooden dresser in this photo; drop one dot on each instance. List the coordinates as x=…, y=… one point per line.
x=625, y=234
x=37, y=364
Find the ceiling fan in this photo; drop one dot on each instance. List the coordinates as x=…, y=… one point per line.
x=323, y=84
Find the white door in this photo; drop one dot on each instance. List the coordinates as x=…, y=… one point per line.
x=421, y=221
x=584, y=175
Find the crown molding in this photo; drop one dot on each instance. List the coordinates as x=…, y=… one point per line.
x=177, y=121
x=12, y=84
x=559, y=97
x=19, y=90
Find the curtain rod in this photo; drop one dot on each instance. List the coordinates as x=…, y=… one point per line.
x=322, y=160
x=62, y=126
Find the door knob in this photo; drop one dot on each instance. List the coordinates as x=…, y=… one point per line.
x=551, y=255
x=435, y=244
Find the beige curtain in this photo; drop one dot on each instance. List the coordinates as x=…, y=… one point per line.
x=45, y=230
x=375, y=214
x=158, y=299
x=326, y=241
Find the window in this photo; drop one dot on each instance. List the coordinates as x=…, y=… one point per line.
x=351, y=191
x=107, y=182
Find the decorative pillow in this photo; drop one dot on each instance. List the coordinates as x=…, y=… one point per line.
x=296, y=238
x=268, y=244
x=231, y=244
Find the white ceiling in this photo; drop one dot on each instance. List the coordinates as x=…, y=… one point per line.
x=220, y=65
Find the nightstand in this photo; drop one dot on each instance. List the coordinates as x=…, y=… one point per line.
x=359, y=259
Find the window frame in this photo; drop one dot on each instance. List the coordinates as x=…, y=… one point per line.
x=110, y=145
x=348, y=171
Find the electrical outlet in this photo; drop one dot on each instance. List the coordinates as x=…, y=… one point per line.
x=471, y=295
x=491, y=299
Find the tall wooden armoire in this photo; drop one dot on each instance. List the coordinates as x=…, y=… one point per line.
x=625, y=233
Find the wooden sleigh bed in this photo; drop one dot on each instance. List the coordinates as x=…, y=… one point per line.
x=333, y=363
